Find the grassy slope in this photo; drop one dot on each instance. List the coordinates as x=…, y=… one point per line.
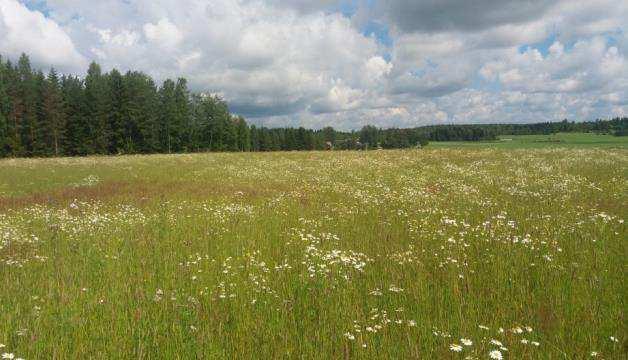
x=281, y=255
x=578, y=140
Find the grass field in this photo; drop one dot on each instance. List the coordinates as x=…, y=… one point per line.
x=425, y=254
x=577, y=140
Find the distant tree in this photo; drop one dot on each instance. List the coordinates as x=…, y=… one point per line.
x=167, y=113
x=117, y=113
x=142, y=116
x=5, y=108
x=54, y=117
x=97, y=98
x=243, y=134
x=78, y=133
x=255, y=138
x=329, y=134
x=179, y=125
x=369, y=136
x=29, y=98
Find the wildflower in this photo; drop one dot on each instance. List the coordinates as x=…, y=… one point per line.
x=483, y=327
x=495, y=354
x=411, y=323
x=496, y=342
x=8, y=356
x=466, y=342
x=594, y=353
x=535, y=343
x=455, y=348
x=349, y=336
x=614, y=339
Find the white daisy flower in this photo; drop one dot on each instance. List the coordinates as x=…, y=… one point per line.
x=496, y=342
x=455, y=348
x=496, y=355
x=466, y=342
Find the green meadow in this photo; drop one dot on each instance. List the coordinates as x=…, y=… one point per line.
x=507, y=250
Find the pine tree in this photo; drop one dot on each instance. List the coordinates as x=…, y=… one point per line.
x=198, y=122
x=255, y=138
x=41, y=143
x=180, y=121
x=167, y=112
x=54, y=114
x=243, y=134
x=4, y=111
x=140, y=114
x=96, y=98
x=116, y=107
x=16, y=111
x=28, y=96
x=77, y=140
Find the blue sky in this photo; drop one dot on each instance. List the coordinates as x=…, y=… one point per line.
x=349, y=63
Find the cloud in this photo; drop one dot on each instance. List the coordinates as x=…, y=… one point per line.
x=305, y=6
x=23, y=30
x=590, y=65
x=444, y=15
x=163, y=33
x=350, y=63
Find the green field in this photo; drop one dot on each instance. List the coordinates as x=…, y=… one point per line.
x=578, y=140
x=425, y=254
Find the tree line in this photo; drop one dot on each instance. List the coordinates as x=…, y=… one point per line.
x=114, y=113
x=488, y=132
x=109, y=113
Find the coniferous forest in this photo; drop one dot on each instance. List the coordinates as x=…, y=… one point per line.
x=113, y=113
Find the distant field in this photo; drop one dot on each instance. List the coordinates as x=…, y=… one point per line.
x=431, y=253
x=542, y=141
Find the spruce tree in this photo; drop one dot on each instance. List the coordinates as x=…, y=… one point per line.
x=96, y=98
x=255, y=138
x=4, y=111
x=54, y=115
x=78, y=133
x=180, y=121
x=16, y=111
x=116, y=107
x=243, y=134
x=140, y=113
x=167, y=113
x=28, y=96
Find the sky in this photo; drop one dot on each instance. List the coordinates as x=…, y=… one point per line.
x=346, y=64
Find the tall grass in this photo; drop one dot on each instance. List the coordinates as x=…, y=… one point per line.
x=386, y=254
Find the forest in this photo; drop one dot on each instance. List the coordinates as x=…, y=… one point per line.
x=54, y=114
